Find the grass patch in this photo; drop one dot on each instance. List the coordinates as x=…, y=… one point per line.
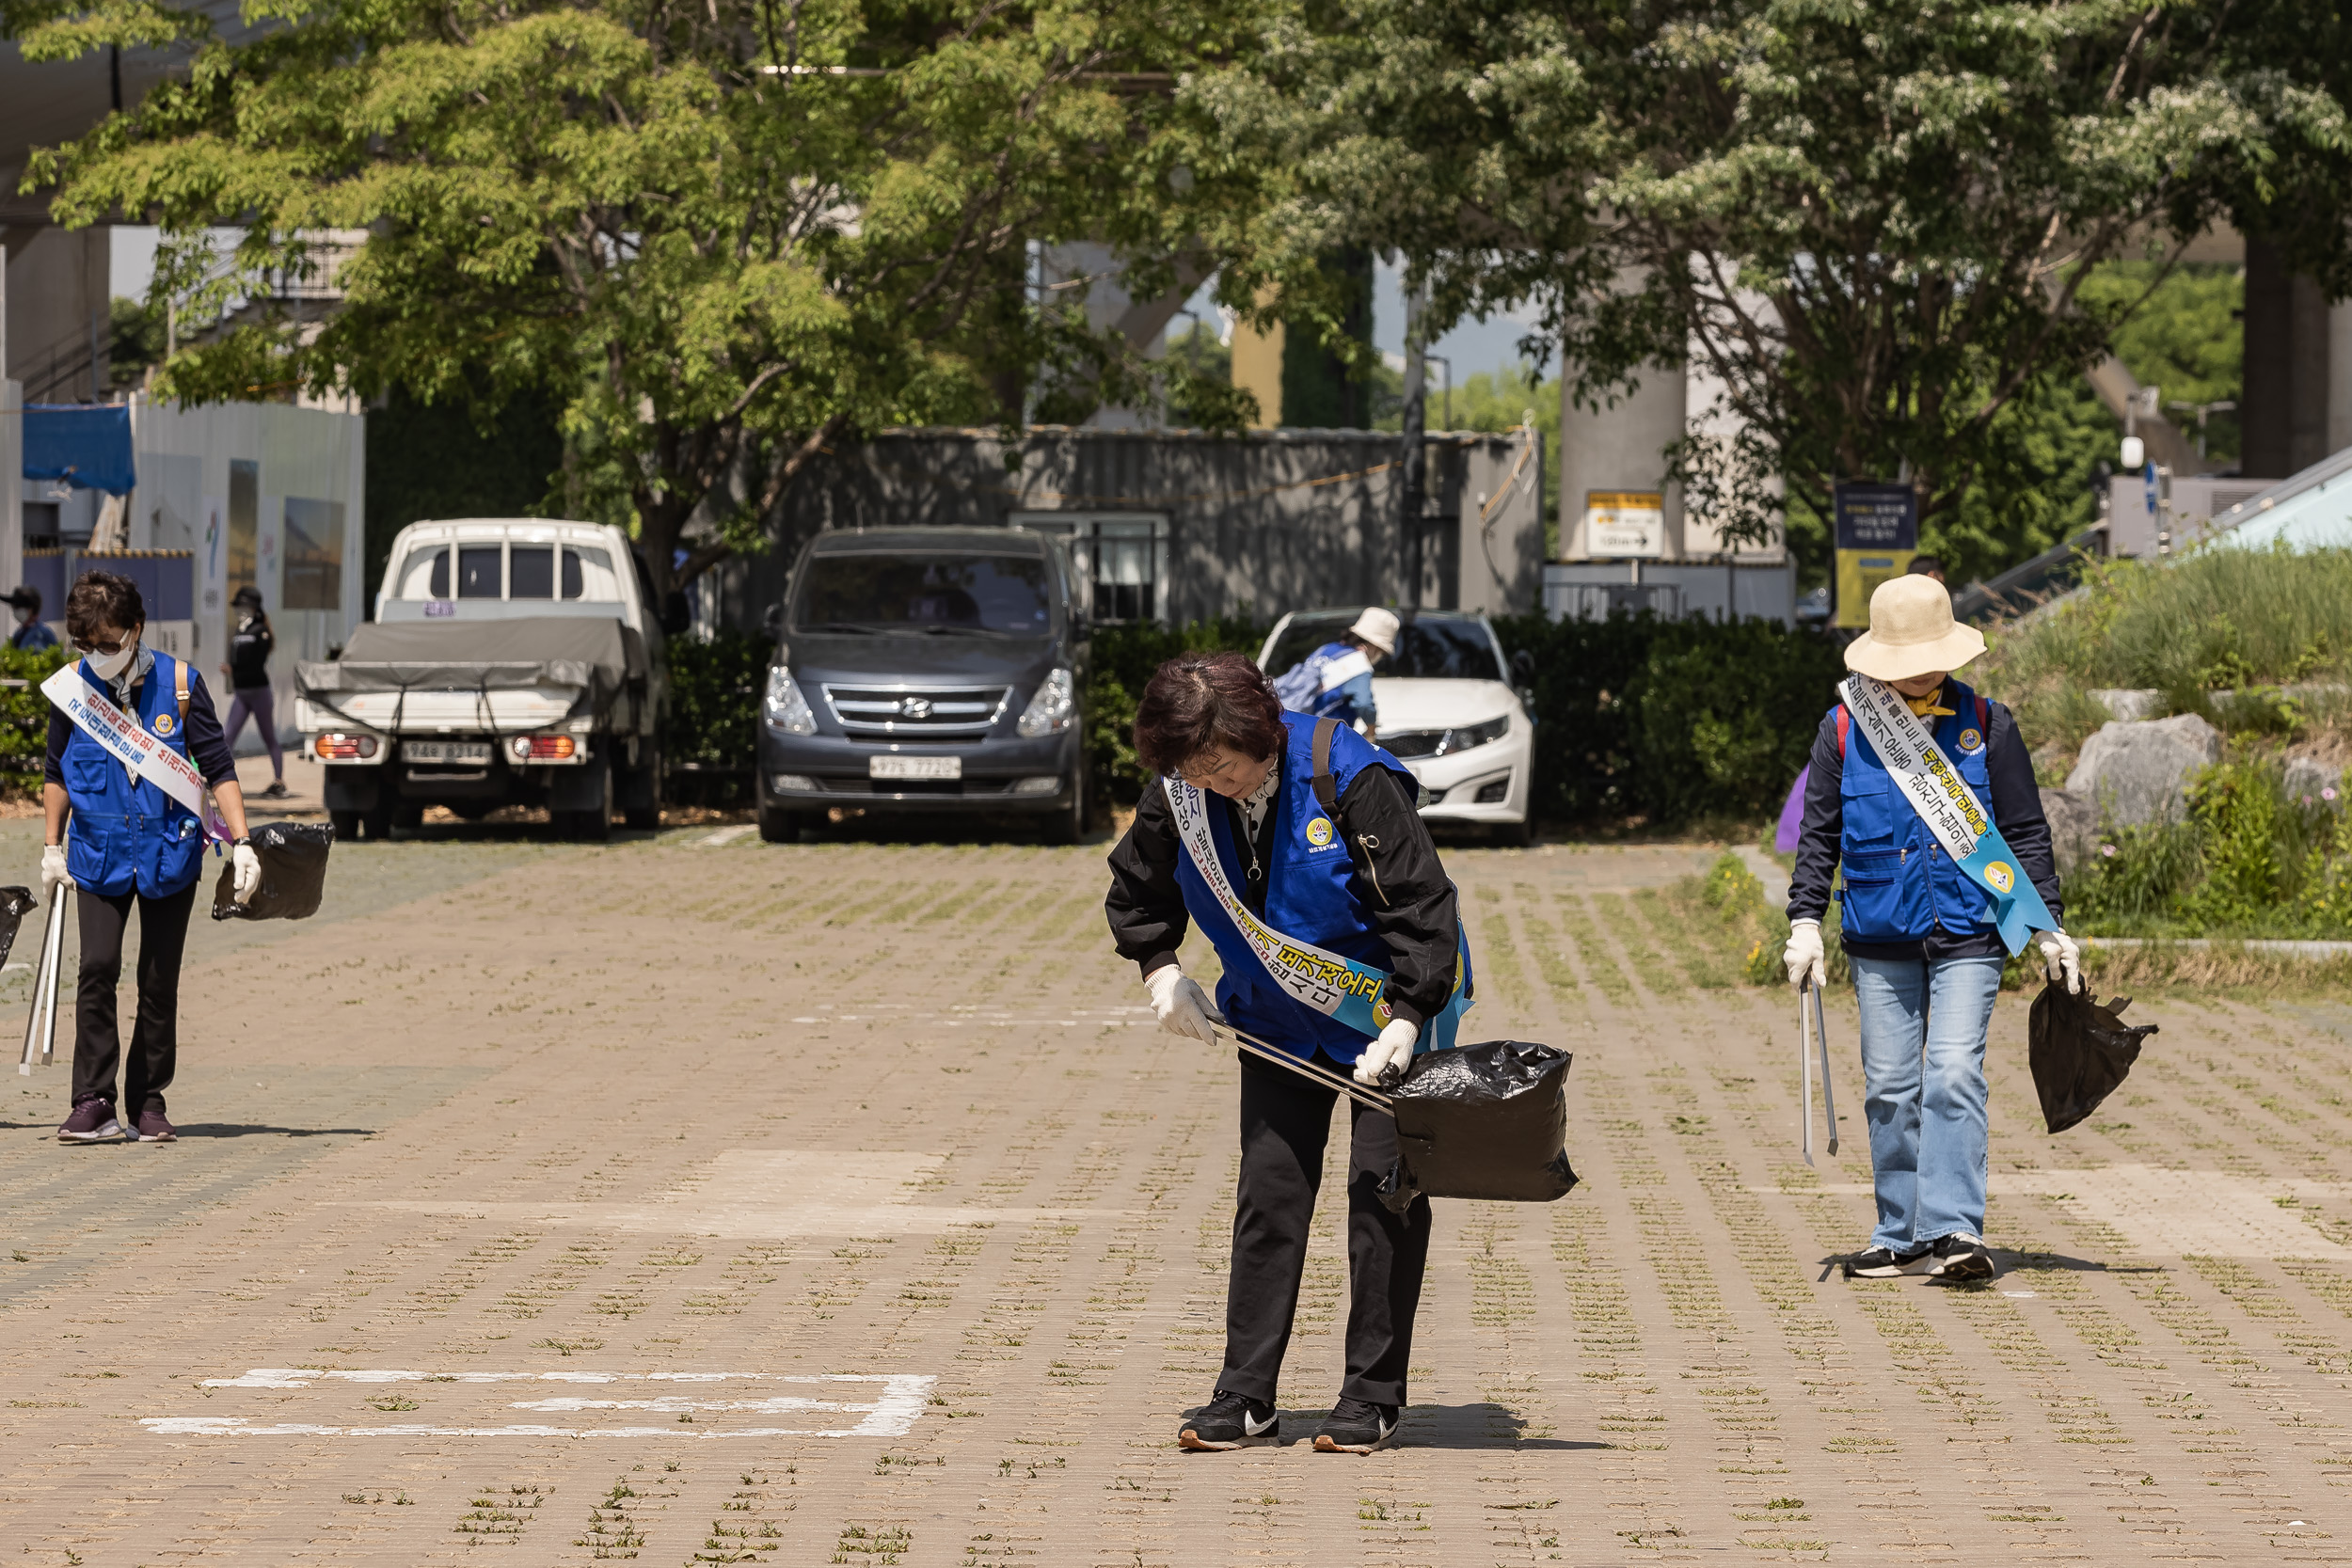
x=2221, y=968
x=2218, y=619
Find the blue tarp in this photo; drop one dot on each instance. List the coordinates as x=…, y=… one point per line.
x=88, y=447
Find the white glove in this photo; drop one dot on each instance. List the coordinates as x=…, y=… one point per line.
x=1384, y=1059
x=245, y=870
x=2062, y=959
x=1180, y=1005
x=1804, y=956
x=53, y=872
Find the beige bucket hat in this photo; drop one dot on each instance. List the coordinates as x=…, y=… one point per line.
x=1912, y=632
x=1378, y=627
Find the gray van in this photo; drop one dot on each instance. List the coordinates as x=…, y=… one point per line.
x=927, y=670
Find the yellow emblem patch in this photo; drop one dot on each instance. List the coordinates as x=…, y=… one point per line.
x=1319, y=831
x=1999, y=875
x=164, y=722
x=1971, y=742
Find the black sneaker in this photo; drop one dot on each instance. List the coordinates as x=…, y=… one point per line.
x=92, y=1122
x=1354, y=1427
x=276, y=790
x=1230, y=1422
x=1879, y=1262
x=1960, y=1259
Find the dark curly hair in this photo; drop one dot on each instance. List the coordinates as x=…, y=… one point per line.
x=103, y=599
x=1203, y=700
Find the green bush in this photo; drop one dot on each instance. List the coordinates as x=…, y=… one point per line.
x=1670, y=721
x=2247, y=861
x=1125, y=657
x=708, y=739
x=1635, y=717
x=24, y=716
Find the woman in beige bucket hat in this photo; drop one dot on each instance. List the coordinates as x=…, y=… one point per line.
x=1926, y=962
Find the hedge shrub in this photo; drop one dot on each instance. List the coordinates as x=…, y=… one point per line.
x=1670, y=721
x=1125, y=657
x=1663, y=720
x=707, y=740
x=24, y=716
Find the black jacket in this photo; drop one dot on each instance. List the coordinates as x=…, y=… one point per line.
x=1413, y=908
x=2016, y=811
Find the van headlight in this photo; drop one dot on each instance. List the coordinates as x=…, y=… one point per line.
x=1053, y=709
x=787, y=710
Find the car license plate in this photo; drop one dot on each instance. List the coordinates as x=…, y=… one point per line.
x=476, y=752
x=913, y=768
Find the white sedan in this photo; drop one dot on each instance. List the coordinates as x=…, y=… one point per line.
x=1447, y=711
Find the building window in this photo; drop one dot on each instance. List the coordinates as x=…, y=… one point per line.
x=1122, y=559
x=314, y=569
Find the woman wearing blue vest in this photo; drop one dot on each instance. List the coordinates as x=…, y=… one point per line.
x=131, y=842
x=1357, y=879
x=1926, y=959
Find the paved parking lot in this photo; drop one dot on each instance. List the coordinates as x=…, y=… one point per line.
x=693, y=1200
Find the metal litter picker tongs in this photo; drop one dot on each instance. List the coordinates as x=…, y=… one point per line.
x=40, y=1029
x=1314, y=1072
x=1805, y=994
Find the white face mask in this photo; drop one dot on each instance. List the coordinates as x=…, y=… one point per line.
x=107, y=666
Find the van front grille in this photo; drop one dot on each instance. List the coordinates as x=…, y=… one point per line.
x=903, y=712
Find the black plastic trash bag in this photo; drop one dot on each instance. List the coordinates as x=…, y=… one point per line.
x=2080, y=1050
x=293, y=874
x=1487, y=1120
x=15, y=904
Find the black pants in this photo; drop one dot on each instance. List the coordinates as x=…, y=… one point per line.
x=1285, y=1121
x=155, y=1037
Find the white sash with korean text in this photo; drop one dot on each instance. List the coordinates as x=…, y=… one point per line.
x=147, y=757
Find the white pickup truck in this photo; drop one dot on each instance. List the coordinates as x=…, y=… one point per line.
x=511, y=661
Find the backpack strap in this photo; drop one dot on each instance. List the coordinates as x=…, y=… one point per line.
x=1326, y=791
x=1984, y=718
x=180, y=688
x=1845, y=721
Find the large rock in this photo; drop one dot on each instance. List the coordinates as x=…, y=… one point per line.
x=2074, y=828
x=2139, y=771
x=2307, y=776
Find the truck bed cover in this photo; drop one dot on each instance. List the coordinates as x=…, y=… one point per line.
x=603, y=657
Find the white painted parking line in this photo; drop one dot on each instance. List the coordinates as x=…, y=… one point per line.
x=899, y=1401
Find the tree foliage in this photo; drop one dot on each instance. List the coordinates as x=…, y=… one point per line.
x=1866, y=227
x=724, y=234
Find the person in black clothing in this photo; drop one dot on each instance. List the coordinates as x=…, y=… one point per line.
x=249, y=647
x=133, y=842
x=1368, y=886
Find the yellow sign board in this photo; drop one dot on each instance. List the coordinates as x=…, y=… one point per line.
x=1625, y=524
x=1859, y=574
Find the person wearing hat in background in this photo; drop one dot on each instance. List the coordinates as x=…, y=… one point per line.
x=249, y=647
x=1335, y=681
x=1919, y=927
x=32, y=633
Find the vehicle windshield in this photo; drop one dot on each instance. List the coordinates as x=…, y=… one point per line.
x=924, y=593
x=1433, y=647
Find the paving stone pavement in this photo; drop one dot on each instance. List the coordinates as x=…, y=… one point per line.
x=692, y=1200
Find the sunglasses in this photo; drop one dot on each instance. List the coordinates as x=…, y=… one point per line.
x=99, y=646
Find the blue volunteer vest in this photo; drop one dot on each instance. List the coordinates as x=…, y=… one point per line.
x=1309, y=896
x=1900, y=882
x=130, y=834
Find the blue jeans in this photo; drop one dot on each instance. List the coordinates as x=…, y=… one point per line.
x=1923, y=1028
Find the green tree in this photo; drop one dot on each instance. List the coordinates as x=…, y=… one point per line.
x=1868, y=225
x=723, y=235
